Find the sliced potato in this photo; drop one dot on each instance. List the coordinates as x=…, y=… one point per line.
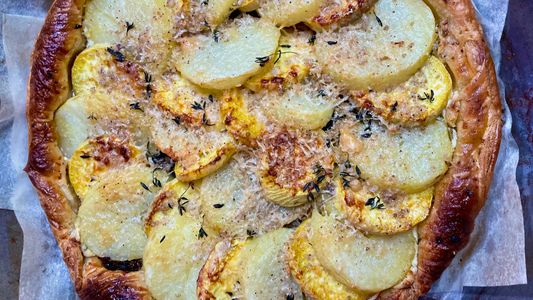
x=90, y=115
x=241, y=121
x=181, y=196
x=249, y=5
x=175, y=252
x=314, y=280
x=110, y=217
x=252, y=269
x=293, y=62
x=286, y=13
x=265, y=272
x=219, y=277
x=384, y=48
x=95, y=157
x=364, y=263
x=334, y=13
x=418, y=100
x=232, y=57
x=233, y=202
x=97, y=70
x=298, y=109
x=143, y=27
x=411, y=159
x=289, y=161
x=384, y=211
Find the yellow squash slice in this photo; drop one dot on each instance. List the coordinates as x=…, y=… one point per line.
x=383, y=212
x=418, y=100
x=311, y=276
x=293, y=166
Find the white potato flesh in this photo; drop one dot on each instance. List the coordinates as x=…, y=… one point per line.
x=174, y=255
x=242, y=208
x=110, y=217
x=299, y=110
x=383, y=48
x=363, y=263
x=230, y=61
x=151, y=23
x=265, y=272
x=96, y=114
x=286, y=13
x=410, y=160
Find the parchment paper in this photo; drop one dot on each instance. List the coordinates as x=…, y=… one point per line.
x=495, y=255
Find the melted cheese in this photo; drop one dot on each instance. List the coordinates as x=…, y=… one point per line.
x=233, y=200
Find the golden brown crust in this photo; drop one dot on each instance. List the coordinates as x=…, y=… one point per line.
x=58, y=43
x=458, y=197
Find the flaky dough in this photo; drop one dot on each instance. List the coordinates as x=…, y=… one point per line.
x=475, y=112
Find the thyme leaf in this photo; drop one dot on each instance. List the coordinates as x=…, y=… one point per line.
x=430, y=96
x=202, y=233
x=129, y=26
x=136, y=106
x=145, y=186
x=116, y=54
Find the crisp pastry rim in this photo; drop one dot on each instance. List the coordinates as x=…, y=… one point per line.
x=459, y=196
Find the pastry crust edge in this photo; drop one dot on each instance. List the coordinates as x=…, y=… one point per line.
x=459, y=196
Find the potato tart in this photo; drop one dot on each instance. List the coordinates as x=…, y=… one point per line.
x=261, y=149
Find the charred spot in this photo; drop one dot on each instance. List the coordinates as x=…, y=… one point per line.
x=469, y=192
x=455, y=239
x=127, y=265
x=438, y=240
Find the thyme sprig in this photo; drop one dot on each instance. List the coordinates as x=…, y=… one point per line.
x=320, y=174
x=375, y=202
x=430, y=96
x=198, y=106
x=129, y=26
x=136, y=106
x=263, y=60
x=116, y=54
x=148, y=80
x=181, y=205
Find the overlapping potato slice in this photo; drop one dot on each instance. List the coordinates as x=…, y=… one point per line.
x=299, y=108
x=96, y=157
x=178, y=243
x=238, y=51
x=96, y=69
x=110, y=217
x=90, y=115
x=254, y=269
x=216, y=11
x=240, y=117
x=286, y=13
x=410, y=159
x=233, y=201
x=293, y=166
x=383, y=48
x=382, y=211
x=418, y=100
x=143, y=27
x=334, y=13
x=310, y=275
x=186, y=125
x=292, y=63
x=363, y=263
